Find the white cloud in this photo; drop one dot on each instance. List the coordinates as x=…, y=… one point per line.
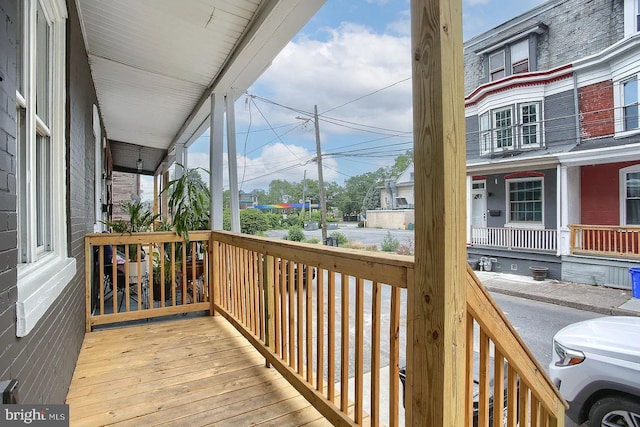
x=476, y=2
x=352, y=62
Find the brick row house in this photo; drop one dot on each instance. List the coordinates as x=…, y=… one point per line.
x=553, y=141
x=85, y=93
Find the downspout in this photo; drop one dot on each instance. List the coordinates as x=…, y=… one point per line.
x=576, y=107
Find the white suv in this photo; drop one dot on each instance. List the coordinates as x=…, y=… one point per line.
x=596, y=366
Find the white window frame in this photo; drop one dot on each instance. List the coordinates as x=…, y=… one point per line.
x=538, y=123
x=495, y=70
x=523, y=224
x=618, y=101
x=484, y=124
x=44, y=272
x=495, y=129
x=631, y=17
x=623, y=191
x=523, y=42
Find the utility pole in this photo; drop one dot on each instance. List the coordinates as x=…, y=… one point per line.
x=323, y=201
x=304, y=190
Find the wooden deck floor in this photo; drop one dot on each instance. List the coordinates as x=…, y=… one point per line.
x=191, y=372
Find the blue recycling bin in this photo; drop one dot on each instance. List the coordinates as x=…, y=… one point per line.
x=635, y=282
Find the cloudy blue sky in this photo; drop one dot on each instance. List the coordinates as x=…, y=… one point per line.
x=352, y=60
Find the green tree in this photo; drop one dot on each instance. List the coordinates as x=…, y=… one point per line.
x=401, y=163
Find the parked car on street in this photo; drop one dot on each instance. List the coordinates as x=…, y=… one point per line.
x=596, y=366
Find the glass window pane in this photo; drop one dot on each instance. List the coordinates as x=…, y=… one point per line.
x=631, y=117
x=496, y=61
x=42, y=65
x=633, y=184
x=43, y=193
x=630, y=91
x=633, y=212
x=520, y=51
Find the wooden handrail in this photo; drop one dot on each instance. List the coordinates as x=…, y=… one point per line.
x=605, y=240
x=494, y=326
x=188, y=281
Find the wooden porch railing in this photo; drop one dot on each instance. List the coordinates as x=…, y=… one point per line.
x=604, y=240
x=122, y=286
x=515, y=238
x=288, y=300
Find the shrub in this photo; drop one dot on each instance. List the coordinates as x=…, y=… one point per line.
x=313, y=240
x=274, y=221
x=342, y=239
x=252, y=221
x=406, y=248
x=292, y=221
x=372, y=248
x=295, y=234
x=390, y=243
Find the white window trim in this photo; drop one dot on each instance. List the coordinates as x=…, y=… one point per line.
x=494, y=130
x=526, y=224
x=41, y=282
x=631, y=12
x=623, y=191
x=539, y=123
x=618, y=103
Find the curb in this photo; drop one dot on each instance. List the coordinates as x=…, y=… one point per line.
x=610, y=311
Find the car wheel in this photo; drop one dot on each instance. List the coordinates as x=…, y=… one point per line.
x=615, y=412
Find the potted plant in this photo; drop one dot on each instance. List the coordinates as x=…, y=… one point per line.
x=189, y=202
x=140, y=220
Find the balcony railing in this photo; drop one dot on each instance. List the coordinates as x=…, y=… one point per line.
x=515, y=238
x=603, y=240
x=324, y=317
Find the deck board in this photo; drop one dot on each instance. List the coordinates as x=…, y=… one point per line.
x=198, y=371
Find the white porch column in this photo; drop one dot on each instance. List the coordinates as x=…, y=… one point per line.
x=180, y=161
x=469, y=181
x=233, y=163
x=216, y=145
x=568, y=205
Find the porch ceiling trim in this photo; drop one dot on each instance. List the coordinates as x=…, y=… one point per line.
x=510, y=165
x=598, y=156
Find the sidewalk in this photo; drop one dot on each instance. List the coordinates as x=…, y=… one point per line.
x=598, y=299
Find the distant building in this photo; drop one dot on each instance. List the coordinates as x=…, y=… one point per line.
x=248, y=200
x=123, y=186
x=396, y=203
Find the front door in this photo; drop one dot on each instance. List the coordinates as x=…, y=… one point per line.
x=478, y=212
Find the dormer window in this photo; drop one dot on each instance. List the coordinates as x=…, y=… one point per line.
x=496, y=65
x=520, y=57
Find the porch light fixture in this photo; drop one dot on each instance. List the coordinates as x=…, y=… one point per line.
x=139, y=163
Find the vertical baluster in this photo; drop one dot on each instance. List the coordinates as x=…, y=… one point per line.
x=292, y=310
x=483, y=396
x=127, y=290
x=299, y=318
x=512, y=397
x=359, y=349
x=524, y=404
x=535, y=411
x=375, y=354
x=394, y=358
x=184, y=272
x=194, y=261
x=331, y=336
x=283, y=304
x=320, y=330
x=468, y=370
x=173, y=275
x=101, y=274
x=344, y=348
x=262, y=310
x=163, y=295
x=309, y=322
x=276, y=305
x=498, y=388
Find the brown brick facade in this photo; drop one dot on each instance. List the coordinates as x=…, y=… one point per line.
x=596, y=109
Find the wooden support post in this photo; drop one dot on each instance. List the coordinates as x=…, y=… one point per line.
x=268, y=283
x=437, y=306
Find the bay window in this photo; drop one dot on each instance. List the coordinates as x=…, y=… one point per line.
x=512, y=127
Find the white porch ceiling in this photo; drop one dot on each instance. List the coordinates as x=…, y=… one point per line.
x=155, y=62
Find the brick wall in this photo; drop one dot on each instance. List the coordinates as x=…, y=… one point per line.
x=44, y=360
x=596, y=109
x=600, y=184
x=569, y=22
